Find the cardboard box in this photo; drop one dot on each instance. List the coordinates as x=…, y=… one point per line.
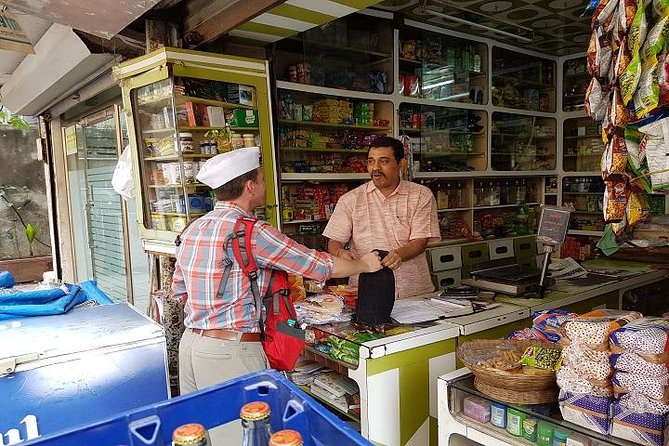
x=76, y=368
x=242, y=94
x=197, y=114
x=216, y=116
x=244, y=118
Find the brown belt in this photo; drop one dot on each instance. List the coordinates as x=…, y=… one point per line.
x=226, y=335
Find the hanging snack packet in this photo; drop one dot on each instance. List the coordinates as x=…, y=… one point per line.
x=592, y=5
x=647, y=95
x=635, y=141
x=638, y=209
x=655, y=40
x=626, y=12
x=604, y=14
x=616, y=156
x=623, y=59
x=596, y=101
x=660, y=8
x=637, y=32
x=619, y=114
x=629, y=79
x=663, y=76
x=615, y=199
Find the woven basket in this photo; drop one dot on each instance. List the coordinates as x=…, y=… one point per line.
x=515, y=397
x=511, y=378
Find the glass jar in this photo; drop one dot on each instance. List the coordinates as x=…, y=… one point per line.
x=186, y=142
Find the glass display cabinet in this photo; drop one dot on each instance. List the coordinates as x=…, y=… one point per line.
x=575, y=80
x=184, y=108
x=444, y=139
x=459, y=416
x=522, y=143
x=354, y=53
x=582, y=145
x=522, y=81
x=442, y=68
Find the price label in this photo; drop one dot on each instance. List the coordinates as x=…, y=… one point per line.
x=553, y=225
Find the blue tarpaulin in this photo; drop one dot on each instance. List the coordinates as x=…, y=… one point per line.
x=50, y=301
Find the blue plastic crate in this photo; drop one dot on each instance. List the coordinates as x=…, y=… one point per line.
x=214, y=406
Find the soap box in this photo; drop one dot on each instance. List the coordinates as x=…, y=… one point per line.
x=477, y=408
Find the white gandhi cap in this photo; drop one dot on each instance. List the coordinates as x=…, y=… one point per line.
x=226, y=167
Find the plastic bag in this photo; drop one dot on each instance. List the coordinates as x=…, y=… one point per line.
x=122, y=180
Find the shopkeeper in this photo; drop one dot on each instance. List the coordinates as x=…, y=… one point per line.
x=221, y=340
x=390, y=214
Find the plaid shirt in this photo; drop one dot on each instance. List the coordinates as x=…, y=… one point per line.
x=198, y=270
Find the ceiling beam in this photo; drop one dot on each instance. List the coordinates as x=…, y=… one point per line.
x=207, y=20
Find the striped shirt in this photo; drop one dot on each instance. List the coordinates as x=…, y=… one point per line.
x=199, y=269
x=368, y=220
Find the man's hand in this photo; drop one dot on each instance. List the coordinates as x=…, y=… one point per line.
x=393, y=260
x=345, y=254
x=371, y=262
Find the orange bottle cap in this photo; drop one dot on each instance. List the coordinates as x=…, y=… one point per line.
x=190, y=433
x=256, y=410
x=286, y=438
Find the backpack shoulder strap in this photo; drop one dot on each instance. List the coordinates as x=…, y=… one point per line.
x=242, y=240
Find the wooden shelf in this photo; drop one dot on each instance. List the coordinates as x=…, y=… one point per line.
x=185, y=156
x=447, y=154
x=327, y=361
x=313, y=150
x=180, y=100
x=326, y=124
x=502, y=206
x=324, y=176
x=198, y=128
x=325, y=402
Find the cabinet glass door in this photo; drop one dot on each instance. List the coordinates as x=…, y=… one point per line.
x=575, y=81
x=351, y=53
x=181, y=123
x=522, y=143
x=442, y=68
x=444, y=139
x=522, y=81
x=582, y=146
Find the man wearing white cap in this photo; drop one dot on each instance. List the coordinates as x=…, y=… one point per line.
x=221, y=340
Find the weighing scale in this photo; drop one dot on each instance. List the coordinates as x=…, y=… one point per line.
x=522, y=280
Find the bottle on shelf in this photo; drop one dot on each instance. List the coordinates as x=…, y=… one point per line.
x=522, y=217
x=191, y=434
x=442, y=197
x=479, y=192
x=256, y=426
x=286, y=437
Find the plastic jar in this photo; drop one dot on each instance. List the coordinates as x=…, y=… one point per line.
x=249, y=140
x=544, y=433
x=498, y=414
x=186, y=141
x=237, y=141
x=560, y=437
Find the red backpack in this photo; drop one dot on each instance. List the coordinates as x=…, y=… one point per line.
x=281, y=339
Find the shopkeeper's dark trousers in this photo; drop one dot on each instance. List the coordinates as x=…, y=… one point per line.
x=205, y=361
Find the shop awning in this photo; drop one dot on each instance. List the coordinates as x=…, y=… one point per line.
x=104, y=18
x=61, y=61
x=295, y=16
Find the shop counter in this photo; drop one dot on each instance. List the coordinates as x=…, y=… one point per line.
x=458, y=429
x=604, y=288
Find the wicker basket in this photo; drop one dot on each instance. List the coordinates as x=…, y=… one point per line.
x=505, y=395
x=512, y=379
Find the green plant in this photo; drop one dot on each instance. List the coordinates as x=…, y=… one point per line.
x=12, y=120
x=31, y=234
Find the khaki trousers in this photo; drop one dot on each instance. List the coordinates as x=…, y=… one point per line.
x=205, y=361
